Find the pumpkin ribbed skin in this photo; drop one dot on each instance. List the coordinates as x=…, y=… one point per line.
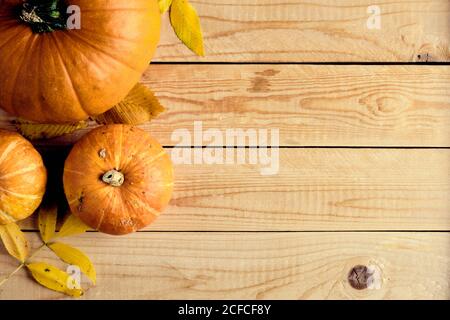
x=69, y=75
x=147, y=179
x=22, y=178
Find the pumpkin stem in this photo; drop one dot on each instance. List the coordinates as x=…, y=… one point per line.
x=113, y=178
x=43, y=15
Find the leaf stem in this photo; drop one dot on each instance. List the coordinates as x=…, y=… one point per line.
x=35, y=253
x=11, y=274
x=23, y=264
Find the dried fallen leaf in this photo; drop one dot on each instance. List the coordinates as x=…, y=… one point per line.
x=138, y=107
x=47, y=222
x=37, y=131
x=164, y=5
x=55, y=279
x=75, y=257
x=186, y=24
x=14, y=240
x=71, y=227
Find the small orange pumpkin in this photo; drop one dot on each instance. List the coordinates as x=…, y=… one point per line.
x=22, y=178
x=52, y=72
x=118, y=179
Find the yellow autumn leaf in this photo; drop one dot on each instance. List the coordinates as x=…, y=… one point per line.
x=186, y=24
x=15, y=241
x=47, y=222
x=138, y=107
x=55, y=279
x=73, y=256
x=164, y=5
x=37, y=131
x=71, y=227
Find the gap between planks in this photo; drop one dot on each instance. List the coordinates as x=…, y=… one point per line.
x=337, y=106
x=312, y=63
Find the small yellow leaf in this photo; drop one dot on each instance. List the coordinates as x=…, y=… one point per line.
x=186, y=24
x=138, y=107
x=164, y=5
x=71, y=227
x=47, y=222
x=55, y=279
x=37, y=131
x=73, y=256
x=14, y=240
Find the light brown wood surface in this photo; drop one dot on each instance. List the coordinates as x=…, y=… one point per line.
x=254, y=266
x=316, y=30
x=310, y=105
x=364, y=176
x=315, y=189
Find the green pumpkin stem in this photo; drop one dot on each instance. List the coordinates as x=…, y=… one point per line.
x=43, y=15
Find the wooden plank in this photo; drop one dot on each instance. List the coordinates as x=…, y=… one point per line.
x=315, y=189
x=316, y=30
x=310, y=105
x=254, y=266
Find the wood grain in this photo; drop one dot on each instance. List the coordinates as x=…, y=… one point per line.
x=333, y=194
x=316, y=30
x=315, y=189
x=310, y=105
x=253, y=266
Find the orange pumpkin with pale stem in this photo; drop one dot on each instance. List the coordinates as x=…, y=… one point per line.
x=22, y=178
x=118, y=179
x=50, y=74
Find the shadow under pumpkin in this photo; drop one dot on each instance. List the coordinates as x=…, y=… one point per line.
x=54, y=158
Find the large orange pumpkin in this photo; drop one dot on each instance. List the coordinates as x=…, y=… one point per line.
x=51, y=74
x=118, y=179
x=22, y=178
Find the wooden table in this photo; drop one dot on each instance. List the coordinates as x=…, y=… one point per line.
x=364, y=160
